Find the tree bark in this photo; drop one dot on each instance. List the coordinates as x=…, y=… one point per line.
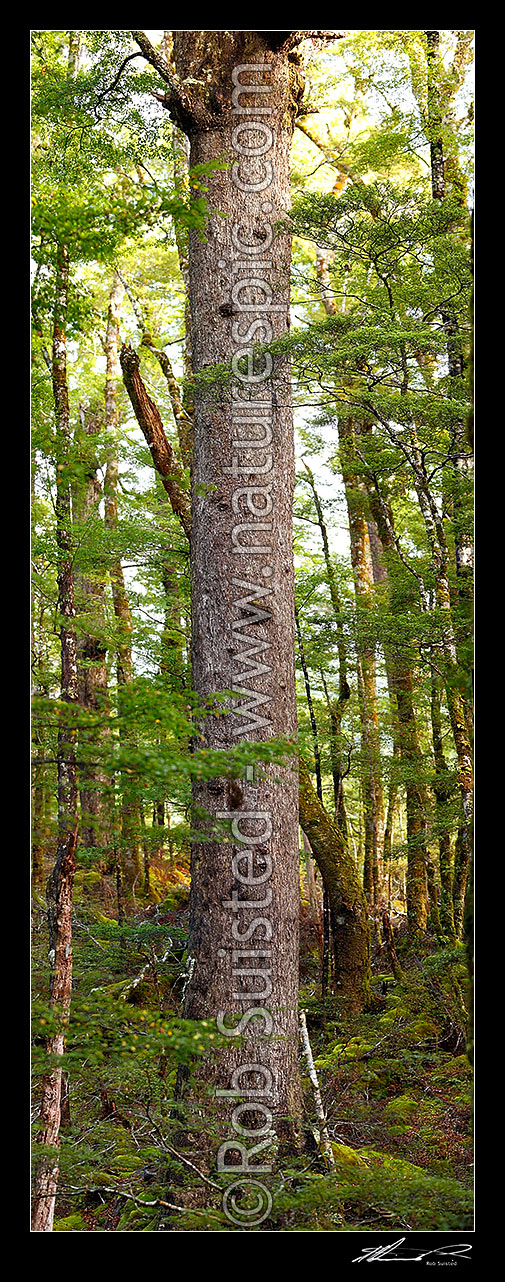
x=348, y=905
x=401, y=686
x=357, y=507
x=442, y=794
x=313, y=892
x=390, y=815
x=456, y=704
x=149, y=420
x=91, y=649
x=60, y=883
x=241, y=542
x=390, y=945
x=462, y=865
x=326, y=957
x=128, y=846
x=336, y=707
x=446, y=179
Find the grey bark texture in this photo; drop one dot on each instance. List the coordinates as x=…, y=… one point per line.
x=225, y=573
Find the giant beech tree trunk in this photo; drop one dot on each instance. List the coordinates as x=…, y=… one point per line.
x=241, y=560
x=235, y=96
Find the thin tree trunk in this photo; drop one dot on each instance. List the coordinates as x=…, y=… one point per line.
x=462, y=863
x=335, y=709
x=390, y=815
x=91, y=652
x=310, y=705
x=313, y=893
x=357, y=507
x=149, y=420
x=60, y=883
x=129, y=843
x=40, y=783
x=325, y=971
x=446, y=179
x=442, y=794
x=180, y=147
x=172, y=648
x=401, y=685
x=433, y=921
x=390, y=945
x=348, y=905
x=325, y=1139
x=39, y=826
x=456, y=704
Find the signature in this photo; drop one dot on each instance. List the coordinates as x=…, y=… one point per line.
x=460, y=1250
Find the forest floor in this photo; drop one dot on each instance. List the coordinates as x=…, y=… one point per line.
x=395, y=1081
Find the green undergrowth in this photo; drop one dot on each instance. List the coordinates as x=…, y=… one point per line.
x=395, y=1084
x=397, y=1089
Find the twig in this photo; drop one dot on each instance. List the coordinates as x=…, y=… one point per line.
x=187, y=1162
x=325, y=1139
x=158, y=1201
x=128, y=985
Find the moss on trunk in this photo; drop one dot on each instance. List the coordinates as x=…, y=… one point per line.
x=348, y=906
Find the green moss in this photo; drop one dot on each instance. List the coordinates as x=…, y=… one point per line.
x=128, y=1161
x=345, y=1156
x=177, y=897
x=423, y=1027
x=408, y=1192
x=454, y=1068
x=70, y=1224
x=395, y=1191
x=139, y=995
x=399, y=1110
x=135, y=1221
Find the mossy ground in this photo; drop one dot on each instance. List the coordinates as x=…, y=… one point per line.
x=395, y=1083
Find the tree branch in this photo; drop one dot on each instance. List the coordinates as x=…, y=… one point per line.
x=149, y=420
x=179, y=97
x=115, y=81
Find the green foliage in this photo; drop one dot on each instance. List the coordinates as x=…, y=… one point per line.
x=106, y=187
